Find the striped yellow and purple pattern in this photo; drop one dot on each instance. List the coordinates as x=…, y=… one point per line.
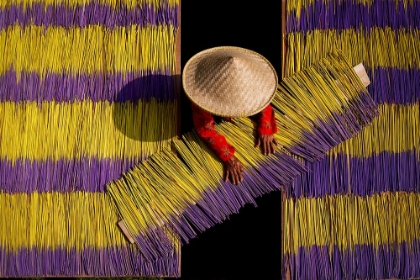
x=355, y=214
x=182, y=188
x=88, y=88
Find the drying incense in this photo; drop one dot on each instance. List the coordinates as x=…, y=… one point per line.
x=182, y=188
x=354, y=215
x=87, y=90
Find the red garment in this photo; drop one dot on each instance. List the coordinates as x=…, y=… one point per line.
x=204, y=125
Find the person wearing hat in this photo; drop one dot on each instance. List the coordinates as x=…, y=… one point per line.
x=231, y=82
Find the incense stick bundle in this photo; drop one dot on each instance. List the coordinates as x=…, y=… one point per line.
x=70, y=234
x=182, y=189
x=87, y=89
x=328, y=104
x=390, y=56
x=340, y=236
x=354, y=215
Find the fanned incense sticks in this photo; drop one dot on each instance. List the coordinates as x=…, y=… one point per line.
x=182, y=188
x=328, y=104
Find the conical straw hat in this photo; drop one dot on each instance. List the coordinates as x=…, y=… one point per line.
x=229, y=81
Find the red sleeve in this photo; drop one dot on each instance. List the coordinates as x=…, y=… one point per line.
x=204, y=125
x=266, y=121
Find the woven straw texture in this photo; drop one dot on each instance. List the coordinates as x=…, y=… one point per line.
x=230, y=81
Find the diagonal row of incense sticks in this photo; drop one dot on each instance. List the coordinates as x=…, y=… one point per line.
x=384, y=156
x=327, y=103
x=183, y=190
x=396, y=130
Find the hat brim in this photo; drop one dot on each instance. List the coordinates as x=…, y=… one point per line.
x=230, y=81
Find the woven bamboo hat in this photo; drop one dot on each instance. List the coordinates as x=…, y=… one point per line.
x=229, y=81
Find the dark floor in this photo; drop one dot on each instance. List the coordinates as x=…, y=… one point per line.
x=247, y=246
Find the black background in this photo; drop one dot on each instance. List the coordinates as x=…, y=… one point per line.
x=248, y=244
